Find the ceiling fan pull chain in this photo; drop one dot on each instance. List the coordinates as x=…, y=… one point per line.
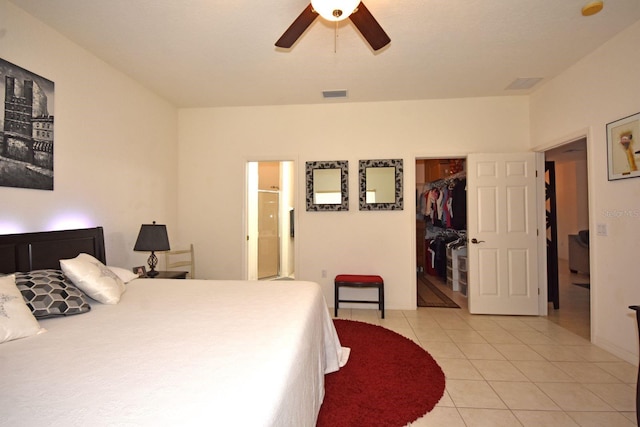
x=335, y=39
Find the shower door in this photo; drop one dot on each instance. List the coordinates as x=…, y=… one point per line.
x=268, y=235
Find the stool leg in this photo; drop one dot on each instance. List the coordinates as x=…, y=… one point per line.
x=381, y=299
x=335, y=302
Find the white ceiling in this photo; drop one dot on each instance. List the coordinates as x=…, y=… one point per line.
x=209, y=53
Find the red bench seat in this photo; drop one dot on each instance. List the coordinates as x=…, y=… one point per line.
x=359, y=281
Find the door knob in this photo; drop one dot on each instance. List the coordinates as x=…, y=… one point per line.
x=476, y=241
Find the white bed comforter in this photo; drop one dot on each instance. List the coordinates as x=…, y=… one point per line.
x=177, y=352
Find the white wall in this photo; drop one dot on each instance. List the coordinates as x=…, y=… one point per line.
x=600, y=89
x=215, y=145
x=287, y=200
x=115, y=144
x=571, y=202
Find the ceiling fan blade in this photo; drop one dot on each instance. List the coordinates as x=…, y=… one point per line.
x=369, y=27
x=298, y=27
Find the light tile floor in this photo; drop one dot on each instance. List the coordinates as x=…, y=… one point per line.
x=515, y=370
x=574, y=311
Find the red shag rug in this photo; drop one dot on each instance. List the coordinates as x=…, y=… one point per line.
x=388, y=381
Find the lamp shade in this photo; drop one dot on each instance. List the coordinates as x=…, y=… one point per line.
x=335, y=10
x=152, y=237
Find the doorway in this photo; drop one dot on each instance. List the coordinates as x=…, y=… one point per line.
x=270, y=208
x=572, y=198
x=441, y=218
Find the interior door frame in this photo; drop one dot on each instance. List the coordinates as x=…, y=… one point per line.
x=408, y=171
x=584, y=133
x=540, y=205
x=248, y=185
x=541, y=208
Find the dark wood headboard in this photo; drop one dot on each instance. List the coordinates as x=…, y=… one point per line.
x=35, y=251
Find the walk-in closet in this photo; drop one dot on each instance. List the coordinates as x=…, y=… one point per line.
x=441, y=223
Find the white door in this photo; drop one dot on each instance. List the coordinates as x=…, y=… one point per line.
x=502, y=231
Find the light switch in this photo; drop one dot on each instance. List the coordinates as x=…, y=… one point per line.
x=601, y=229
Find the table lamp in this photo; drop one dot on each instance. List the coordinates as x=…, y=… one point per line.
x=152, y=237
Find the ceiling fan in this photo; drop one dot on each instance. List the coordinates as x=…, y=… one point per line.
x=337, y=10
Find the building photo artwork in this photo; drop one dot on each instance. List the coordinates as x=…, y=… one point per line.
x=26, y=129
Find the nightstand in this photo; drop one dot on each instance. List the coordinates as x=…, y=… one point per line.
x=169, y=275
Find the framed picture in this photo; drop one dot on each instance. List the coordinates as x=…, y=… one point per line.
x=26, y=145
x=623, y=147
x=140, y=271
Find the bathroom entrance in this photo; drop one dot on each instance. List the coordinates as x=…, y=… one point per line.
x=270, y=202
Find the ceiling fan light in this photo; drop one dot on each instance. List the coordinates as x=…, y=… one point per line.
x=335, y=10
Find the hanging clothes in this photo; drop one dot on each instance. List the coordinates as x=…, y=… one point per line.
x=437, y=251
x=459, y=205
x=443, y=203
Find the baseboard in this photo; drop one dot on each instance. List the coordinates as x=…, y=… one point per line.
x=623, y=354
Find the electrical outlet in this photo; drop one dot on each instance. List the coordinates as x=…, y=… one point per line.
x=324, y=273
x=602, y=229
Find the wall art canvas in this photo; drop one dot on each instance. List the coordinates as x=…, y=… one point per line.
x=623, y=147
x=26, y=129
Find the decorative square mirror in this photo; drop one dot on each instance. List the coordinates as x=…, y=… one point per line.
x=327, y=185
x=381, y=185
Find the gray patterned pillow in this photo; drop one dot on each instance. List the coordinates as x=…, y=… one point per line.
x=48, y=293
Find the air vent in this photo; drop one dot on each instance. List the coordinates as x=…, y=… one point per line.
x=524, y=83
x=327, y=94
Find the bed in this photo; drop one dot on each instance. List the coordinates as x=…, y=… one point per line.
x=170, y=352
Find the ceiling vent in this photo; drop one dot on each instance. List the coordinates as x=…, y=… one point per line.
x=330, y=94
x=524, y=83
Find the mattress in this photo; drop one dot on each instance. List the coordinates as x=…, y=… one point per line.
x=178, y=352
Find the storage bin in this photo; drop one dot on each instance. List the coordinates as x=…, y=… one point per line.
x=463, y=289
x=463, y=284
x=462, y=276
x=462, y=263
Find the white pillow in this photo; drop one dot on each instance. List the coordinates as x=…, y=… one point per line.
x=125, y=275
x=93, y=278
x=16, y=320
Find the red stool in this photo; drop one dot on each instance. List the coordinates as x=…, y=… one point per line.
x=359, y=281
